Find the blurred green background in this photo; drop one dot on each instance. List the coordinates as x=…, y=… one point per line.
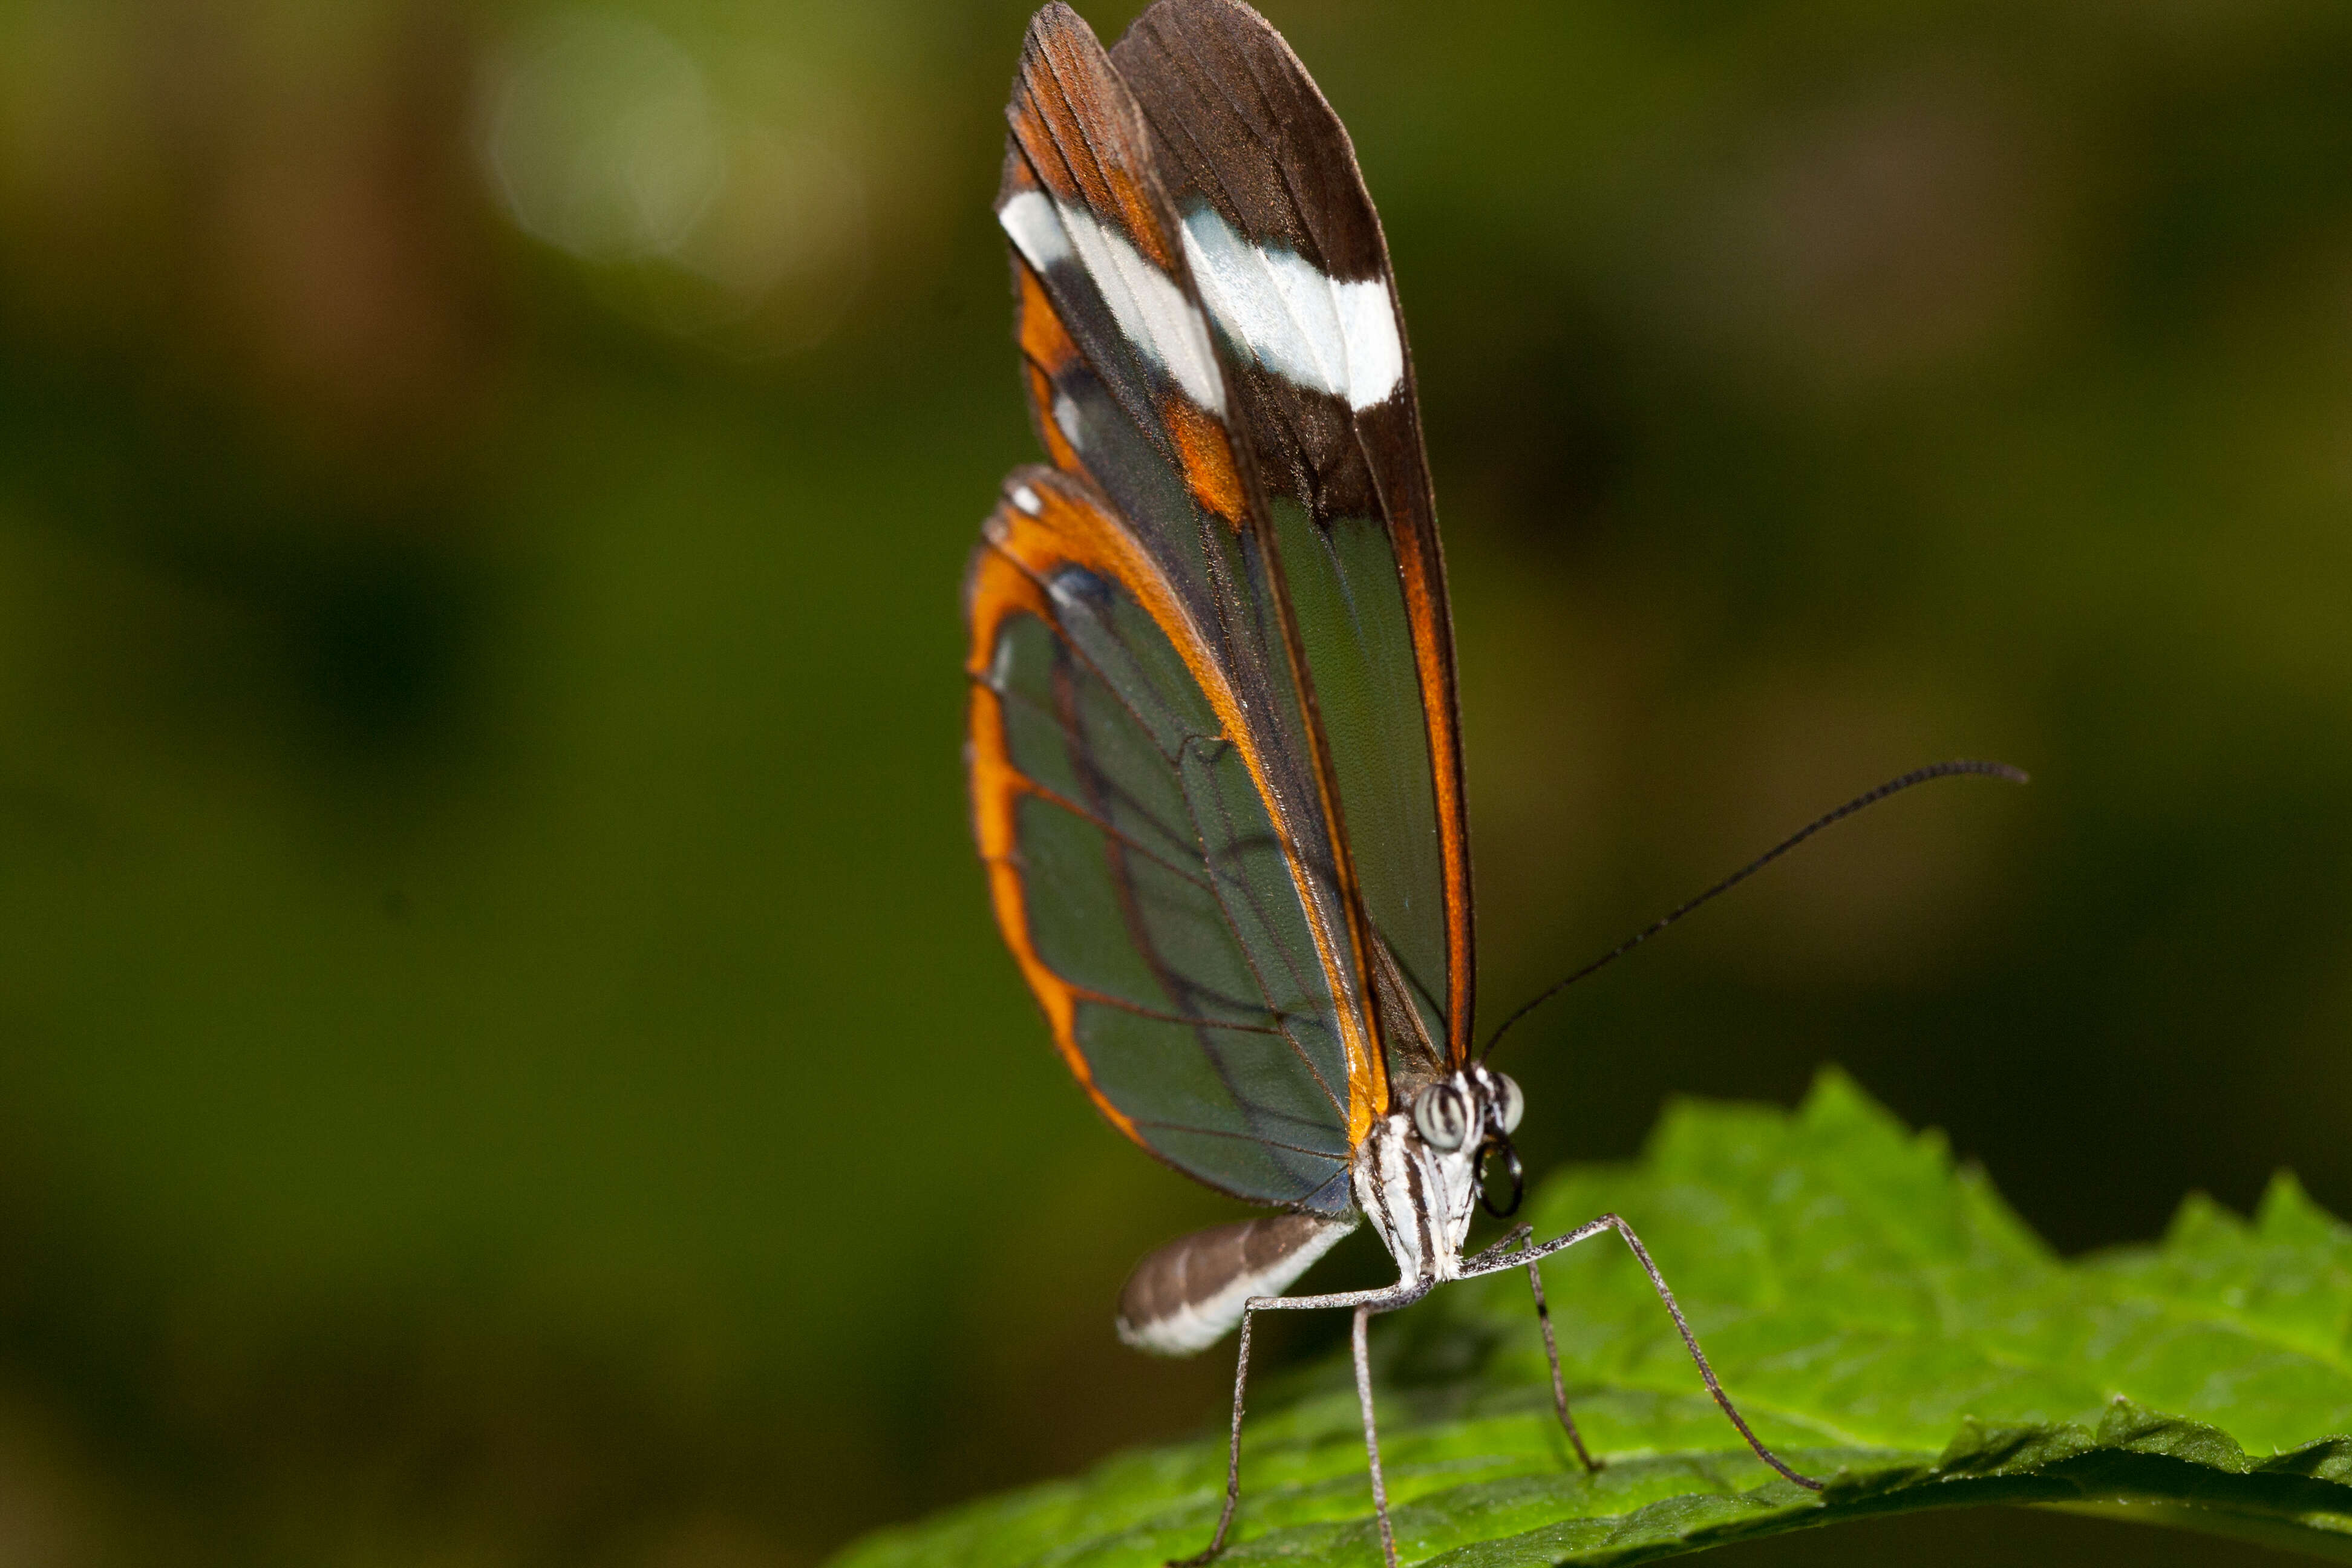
x=503, y=1056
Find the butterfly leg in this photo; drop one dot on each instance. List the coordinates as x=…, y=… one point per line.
x=1500, y=1255
x=1402, y=1294
x=1558, y=1387
x=1534, y=1256
x=1361, y=1342
x=1508, y=1246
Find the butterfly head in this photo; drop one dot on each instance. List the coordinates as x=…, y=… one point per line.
x=1470, y=1116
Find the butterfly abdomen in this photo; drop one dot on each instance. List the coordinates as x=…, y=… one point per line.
x=1189, y=1294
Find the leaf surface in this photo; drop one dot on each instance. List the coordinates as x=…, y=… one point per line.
x=1882, y=1318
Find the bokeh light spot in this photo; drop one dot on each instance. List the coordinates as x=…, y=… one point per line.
x=601, y=137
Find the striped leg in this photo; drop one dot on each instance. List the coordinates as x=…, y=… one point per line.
x=1360, y=1340
x=1507, y=1248
x=1558, y=1387
x=1501, y=1256
x=1366, y=1303
x=1488, y=1263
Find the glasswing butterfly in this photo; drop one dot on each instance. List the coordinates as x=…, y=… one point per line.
x=1215, y=765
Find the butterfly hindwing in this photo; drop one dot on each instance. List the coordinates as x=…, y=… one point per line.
x=1135, y=868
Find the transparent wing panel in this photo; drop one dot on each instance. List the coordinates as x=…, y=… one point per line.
x=1358, y=637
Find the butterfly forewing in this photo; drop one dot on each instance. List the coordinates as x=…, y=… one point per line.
x=1286, y=248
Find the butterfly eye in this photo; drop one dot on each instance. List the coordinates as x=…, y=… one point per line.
x=1443, y=1116
x=1509, y=1104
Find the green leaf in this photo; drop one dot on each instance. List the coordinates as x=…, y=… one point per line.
x=1880, y=1315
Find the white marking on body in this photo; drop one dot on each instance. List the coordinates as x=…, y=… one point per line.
x=1391, y=1157
x=1026, y=499
x=1151, y=307
x=1310, y=329
x=1197, y=1325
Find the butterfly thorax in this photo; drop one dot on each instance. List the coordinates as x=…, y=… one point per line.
x=1416, y=1173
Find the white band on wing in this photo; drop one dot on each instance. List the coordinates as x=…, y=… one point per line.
x=1295, y=319
x=1150, y=306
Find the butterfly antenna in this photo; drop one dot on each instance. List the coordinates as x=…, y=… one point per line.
x=1867, y=798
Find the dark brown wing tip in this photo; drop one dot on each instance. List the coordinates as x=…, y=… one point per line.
x=1055, y=30
x=1053, y=24
x=1075, y=120
x=1231, y=15
x=1180, y=12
